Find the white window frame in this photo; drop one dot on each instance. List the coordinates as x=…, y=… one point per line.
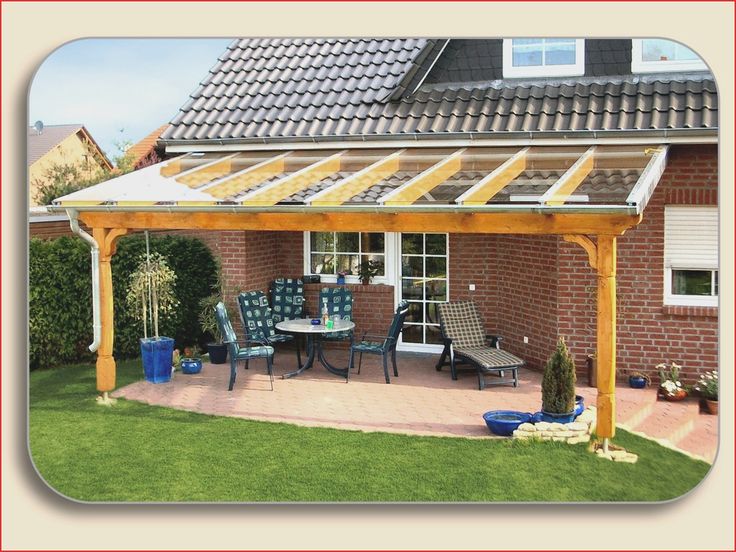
x=388, y=264
x=685, y=264
x=638, y=65
x=570, y=70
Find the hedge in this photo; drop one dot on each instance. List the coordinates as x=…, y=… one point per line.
x=60, y=297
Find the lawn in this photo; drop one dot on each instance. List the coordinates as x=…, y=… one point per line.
x=136, y=452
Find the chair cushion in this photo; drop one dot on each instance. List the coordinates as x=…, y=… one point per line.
x=461, y=322
x=337, y=336
x=489, y=358
x=369, y=347
x=280, y=338
x=254, y=352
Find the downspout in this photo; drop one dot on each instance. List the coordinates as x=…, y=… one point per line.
x=95, y=252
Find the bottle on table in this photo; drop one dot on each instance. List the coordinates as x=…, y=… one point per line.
x=325, y=312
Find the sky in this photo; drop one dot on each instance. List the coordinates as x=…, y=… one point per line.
x=120, y=89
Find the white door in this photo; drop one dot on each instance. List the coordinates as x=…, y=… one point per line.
x=422, y=279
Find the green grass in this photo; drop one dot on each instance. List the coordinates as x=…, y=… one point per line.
x=135, y=452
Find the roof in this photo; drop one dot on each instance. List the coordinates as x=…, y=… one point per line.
x=52, y=135
x=264, y=89
x=144, y=147
x=539, y=179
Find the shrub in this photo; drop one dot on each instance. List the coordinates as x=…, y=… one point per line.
x=558, y=382
x=60, y=297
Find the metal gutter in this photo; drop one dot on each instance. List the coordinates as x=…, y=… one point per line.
x=95, y=253
x=450, y=139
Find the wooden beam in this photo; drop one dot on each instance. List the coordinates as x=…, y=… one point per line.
x=272, y=193
x=424, y=182
x=496, y=181
x=486, y=223
x=348, y=187
x=105, y=369
x=606, y=337
x=247, y=178
x=569, y=182
x=587, y=244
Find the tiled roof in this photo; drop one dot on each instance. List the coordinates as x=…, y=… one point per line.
x=51, y=135
x=142, y=148
x=275, y=88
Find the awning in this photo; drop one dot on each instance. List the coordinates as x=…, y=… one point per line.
x=539, y=179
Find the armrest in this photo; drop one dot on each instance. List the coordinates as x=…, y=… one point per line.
x=382, y=337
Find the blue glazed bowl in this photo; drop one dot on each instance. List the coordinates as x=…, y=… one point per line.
x=316, y=321
x=191, y=365
x=579, y=405
x=504, y=422
x=637, y=382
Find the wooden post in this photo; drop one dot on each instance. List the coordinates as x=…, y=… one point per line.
x=106, y=240
x=606, y=338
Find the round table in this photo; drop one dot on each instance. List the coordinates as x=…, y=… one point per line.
x=314, y=346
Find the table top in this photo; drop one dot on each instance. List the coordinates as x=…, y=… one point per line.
x=304, y=325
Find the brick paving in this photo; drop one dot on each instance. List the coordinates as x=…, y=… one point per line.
x=421, y=401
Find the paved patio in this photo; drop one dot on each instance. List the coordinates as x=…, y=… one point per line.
x=420, y=401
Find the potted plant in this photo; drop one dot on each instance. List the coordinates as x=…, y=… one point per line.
x=151, y=293
x=208, y=322
x=707, y=387
x=341, y=277
x=369, y=269
x=191, y=363
x=558, y=386
x=670, y=388
x=638, y=380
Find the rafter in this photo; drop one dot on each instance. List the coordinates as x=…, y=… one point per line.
x=497, y=180
x=561, y=190
x=424, y=182
x=197, y=176
x=247, y=178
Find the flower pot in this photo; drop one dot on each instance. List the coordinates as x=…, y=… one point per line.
x=504, y=422
x=340, y=280
x=637, y=382
x=559, y=418
x=191, y=365
x=679, y=395
x=218, y=353
x=579, y=405
x=711, y=406
x=157, y=356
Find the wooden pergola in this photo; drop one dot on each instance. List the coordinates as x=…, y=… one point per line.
x=587, y=195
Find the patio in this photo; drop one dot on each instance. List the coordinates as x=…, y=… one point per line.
x=420, y=401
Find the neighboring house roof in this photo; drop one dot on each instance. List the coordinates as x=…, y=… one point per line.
x=277, y=88
x=39, y=144
x=146, y=146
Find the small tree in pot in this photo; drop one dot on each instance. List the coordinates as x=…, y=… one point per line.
x=558, y=386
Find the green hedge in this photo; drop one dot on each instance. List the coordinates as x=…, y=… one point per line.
x=60, y=297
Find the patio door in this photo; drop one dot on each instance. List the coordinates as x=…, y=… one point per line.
x=422, y=280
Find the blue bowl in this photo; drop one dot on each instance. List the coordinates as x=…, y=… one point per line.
x=191, y=365
x=504, y=422
x=579, y=405
x=316, y=321
x=637, y=382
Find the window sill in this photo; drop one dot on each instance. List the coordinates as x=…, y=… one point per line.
x=690, y=310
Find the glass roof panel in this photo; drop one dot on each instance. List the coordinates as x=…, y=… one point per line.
x=188, y=162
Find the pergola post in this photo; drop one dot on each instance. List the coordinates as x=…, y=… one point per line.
x=606, y=337
x=105, y=371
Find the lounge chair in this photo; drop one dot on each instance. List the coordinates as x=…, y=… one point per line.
x=385, y=344
x=249, y=351
x=465, y=340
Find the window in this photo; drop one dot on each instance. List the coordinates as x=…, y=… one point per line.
x=543, y=57
x=655, y=54
x=328, y=253
x=691, y=255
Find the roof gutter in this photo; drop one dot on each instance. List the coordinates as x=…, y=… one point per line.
x=451, y=139
x=95, y=253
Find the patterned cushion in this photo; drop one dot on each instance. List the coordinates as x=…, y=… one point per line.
x=287, y=299
x=369, y=347
x=254, y=352
x=461, y=322
x=256, y=315
x=340, y=303
x=489, y=358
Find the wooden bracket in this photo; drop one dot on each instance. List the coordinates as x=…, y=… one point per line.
x=586, y=243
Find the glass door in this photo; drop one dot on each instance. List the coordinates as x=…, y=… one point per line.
x=424, y=283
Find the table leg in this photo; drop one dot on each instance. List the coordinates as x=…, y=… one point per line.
x=330, y=368
x=307, y=363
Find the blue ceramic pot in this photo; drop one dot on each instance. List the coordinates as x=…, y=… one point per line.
x=579, y=405
x=191, y=365
x=559, y=418
x=637, y=382
x=341, y=280
x=157, y=356
x=504, y=422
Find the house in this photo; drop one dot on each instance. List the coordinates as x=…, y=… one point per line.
x=146, y=151
x=567, y=186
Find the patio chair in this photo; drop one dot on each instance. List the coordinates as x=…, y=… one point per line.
x=287, y=299
x=257, y=319
x=340, y=303
x=465, y=340
x=385, y=346
x=250, y=349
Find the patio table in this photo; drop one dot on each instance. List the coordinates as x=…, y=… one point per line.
x=314, y=343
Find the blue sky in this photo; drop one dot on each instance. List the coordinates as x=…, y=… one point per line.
x=135, y=85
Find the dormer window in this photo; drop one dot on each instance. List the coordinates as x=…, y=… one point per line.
x=652, y=55
x=543, y=57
